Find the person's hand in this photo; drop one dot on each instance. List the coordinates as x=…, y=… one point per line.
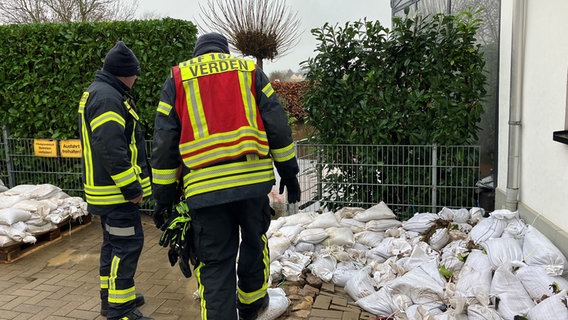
x=292, y=187
x=136, y=200
x=161, y=213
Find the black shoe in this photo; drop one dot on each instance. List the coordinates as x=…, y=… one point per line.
x=104, y=304
x=249, y=312
x=134, y=315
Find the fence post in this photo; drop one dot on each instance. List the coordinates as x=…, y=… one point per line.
x=434, y=177
x=9, y=169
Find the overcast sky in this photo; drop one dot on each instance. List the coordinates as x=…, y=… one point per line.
x=312, y=14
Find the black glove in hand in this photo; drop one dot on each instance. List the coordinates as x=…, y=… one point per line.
x=293, y=188
x=161, y=213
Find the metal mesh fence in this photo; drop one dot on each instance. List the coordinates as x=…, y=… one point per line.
x=408, y=179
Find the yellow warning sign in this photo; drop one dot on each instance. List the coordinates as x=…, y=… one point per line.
x=45, y=148
x=70, y=148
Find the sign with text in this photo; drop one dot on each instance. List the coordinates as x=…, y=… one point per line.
x=70, y=148
x=45, y=148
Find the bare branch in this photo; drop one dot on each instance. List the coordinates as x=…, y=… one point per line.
x=263, y=29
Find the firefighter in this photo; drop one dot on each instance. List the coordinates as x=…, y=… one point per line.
x=219, y=118
x=116, y=178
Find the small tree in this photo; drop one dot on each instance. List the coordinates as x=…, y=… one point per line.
x=263, y=29
x=38, y=11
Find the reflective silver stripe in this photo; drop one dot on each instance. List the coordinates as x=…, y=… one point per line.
x=164, y=108
x=284, y=154
x=121, y=232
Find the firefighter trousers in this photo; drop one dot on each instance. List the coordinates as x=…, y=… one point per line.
x=123, y=239
x=217, y=243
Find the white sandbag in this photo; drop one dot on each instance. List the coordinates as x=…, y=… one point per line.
x=423, y=284
x=474, y=279
x=439, y=238
x=293, y=264
x=539, y=283
x=277, y=246
x=461, y=215
x=8, y=201
x=274, y=226
x=340, y=237
x=347, y=212
x=313, y=235
x=356, y=226
x=453, y=255
x=39, y=207
x=382, y=225
x=540, y=251
x=290, y=232
x=16, y=232
x=385, y=272
x=304, y=247
x=277, y=306
x=551, y=308
x=377, y=212
x=390, y=247
x=37, y=192
x=384, y=303
x=421, y=253
x=369, y=238
x=9, y=216
x=323, y=267
x=420, y=222
x=508, y=289
x=6, y=241
x=40, y=229
x=360, y=285
x=300, y=219
x=324, y=220
x=343, y=272
x=491, y=227
x=479, y=312
x=420, y=312
x=503, y=251
x=515, y=229
x=275, y=271
x=58, y=216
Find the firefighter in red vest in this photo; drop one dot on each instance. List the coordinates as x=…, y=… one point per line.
x=219, y=118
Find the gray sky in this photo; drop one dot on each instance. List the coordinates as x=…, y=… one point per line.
x=312, y=14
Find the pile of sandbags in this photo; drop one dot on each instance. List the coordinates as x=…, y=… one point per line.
x=30, y=210
x=454, y=264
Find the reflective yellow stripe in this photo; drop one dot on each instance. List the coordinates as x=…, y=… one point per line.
x=124, y=178
x=268, y=90
x=113, y=272
x=106, y=117
x=195, y=109
x=164, y=176
x=164, y=108
x=121, y=296
x=201, y=290
x=131, y=110
x=83, y=102
x=227, y=176
x=250, y=297
x=87, y=159
x=104, y=282
x=106, y=195
x=284, y=154
x=248, y=101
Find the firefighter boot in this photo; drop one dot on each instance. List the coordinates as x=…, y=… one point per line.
x=251, y=312
x=134, y=315
x=104, y=304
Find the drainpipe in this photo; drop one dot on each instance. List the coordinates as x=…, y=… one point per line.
x=515, y=108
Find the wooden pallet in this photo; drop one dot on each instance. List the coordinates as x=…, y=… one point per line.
x=66, y=227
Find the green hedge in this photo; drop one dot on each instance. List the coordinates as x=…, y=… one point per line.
x=44, y=68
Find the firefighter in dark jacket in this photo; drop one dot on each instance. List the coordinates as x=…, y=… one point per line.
x=116, y=178
x=220, y=121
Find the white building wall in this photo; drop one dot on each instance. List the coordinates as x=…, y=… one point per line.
x=543, y=191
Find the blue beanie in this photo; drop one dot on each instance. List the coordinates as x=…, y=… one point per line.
x=121, y=61
x=211, y=42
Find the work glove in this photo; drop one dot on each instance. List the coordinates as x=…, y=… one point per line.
x=177, y=236
x=292, y=186
x=161, y=213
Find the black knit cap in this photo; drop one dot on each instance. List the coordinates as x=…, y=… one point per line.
x=211, y=42
x=121, y=61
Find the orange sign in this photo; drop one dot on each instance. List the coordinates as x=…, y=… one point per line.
x=45, y=148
